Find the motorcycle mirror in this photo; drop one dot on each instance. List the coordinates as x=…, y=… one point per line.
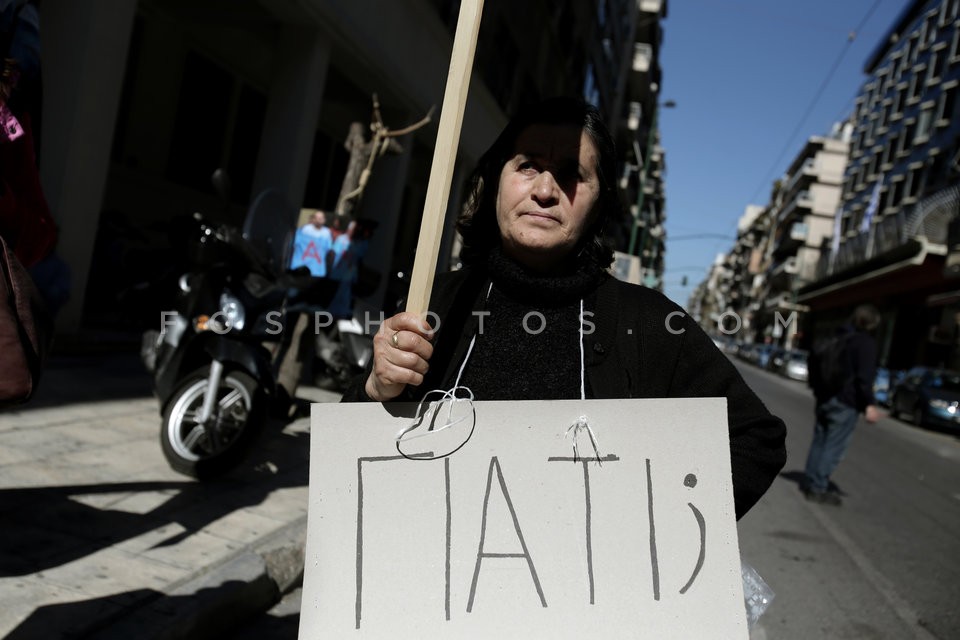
x=221, y=184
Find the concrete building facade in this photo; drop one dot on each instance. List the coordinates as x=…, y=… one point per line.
x=143, y=100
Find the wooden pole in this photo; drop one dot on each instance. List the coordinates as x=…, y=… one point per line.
x=444, y=155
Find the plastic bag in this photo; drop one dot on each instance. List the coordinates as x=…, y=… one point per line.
x=757, y=594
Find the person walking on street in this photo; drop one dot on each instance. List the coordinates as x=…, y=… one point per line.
x=853, y=353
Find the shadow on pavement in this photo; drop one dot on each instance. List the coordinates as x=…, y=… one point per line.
x=46, y=527
x=69, y=379
x=204, y=614
x=797, y=477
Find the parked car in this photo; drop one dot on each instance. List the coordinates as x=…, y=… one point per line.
x=795, y=365
x=777, y=358
x=929, y=397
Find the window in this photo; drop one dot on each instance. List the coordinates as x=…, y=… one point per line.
x=930, y=27
x=872, y=167
x=886, y=158
x=896, y=192
x=884, y=117
x=870, y=91
x=911, y=189
x=946, y=106
x=936, y=64
x=916, y=87
x=955, y=45
x=896, y=106
x=924, y=124
x=906, y=135
x=883, y=81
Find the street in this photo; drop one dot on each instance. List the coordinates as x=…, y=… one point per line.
x=882, y=566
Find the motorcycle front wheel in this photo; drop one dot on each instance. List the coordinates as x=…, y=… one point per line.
x=210, y=450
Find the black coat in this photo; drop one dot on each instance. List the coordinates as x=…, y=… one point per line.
x=644, y=346
x=860, y=367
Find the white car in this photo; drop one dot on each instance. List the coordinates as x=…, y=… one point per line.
x=795, y=365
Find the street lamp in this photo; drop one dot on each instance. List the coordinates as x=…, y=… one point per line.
x=651, y=134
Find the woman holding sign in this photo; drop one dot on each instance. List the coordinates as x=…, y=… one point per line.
x=535, y=315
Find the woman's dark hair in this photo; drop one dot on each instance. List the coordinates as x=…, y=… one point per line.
x=478, y=221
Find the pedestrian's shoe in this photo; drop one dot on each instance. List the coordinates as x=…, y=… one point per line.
x=823, y=497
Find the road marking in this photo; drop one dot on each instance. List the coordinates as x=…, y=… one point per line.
x=900, y=607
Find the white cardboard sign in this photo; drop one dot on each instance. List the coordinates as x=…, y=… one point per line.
x=511, y=536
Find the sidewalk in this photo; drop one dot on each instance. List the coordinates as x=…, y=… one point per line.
x=99, y=538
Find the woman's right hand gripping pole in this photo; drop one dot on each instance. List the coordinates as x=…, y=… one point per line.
x=401, y=354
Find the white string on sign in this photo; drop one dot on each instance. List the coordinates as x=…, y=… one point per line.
x=582, y=423
x=429, y=410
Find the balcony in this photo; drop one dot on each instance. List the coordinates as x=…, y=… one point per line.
x=807, y=170
x=790, y=241
x=802, y=202
x=781, y=274
x=642, y=56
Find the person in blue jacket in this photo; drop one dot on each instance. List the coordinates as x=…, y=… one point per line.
x=312, y=246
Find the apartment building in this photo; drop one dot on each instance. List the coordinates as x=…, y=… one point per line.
x=642, y=185
x=143, y=100
x=735, y=278
x=802, y=213
x=900, y=193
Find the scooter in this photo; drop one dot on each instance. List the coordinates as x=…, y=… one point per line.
x=213, y=360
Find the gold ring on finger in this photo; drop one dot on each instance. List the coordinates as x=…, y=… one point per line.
x=395, y=339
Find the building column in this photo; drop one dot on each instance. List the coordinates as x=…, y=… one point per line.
x=382, y=200
x=84, y=53
x=292, y=113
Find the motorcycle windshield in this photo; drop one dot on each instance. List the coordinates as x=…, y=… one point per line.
x=269, y=229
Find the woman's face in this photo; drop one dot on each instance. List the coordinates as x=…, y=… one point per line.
x=548, y=194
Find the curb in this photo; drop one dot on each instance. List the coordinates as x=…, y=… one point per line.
x=218, y=599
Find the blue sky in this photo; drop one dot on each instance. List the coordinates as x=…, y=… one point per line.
x=743, y=74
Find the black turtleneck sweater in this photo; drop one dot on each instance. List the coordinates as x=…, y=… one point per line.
x=528, y=337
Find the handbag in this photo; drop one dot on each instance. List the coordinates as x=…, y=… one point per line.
x=25, y=330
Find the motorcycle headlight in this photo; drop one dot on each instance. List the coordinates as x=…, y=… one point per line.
x=232, y=314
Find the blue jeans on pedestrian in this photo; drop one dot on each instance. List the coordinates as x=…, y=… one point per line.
x=831, y=437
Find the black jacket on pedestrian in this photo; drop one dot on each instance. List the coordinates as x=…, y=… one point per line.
x=643, y=346
x=860, y=364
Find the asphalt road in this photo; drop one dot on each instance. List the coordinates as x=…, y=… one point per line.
x=884, y=565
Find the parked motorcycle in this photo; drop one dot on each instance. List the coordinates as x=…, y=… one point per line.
x=213, y=364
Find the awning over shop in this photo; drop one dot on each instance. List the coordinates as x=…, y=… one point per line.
x=914, y=265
